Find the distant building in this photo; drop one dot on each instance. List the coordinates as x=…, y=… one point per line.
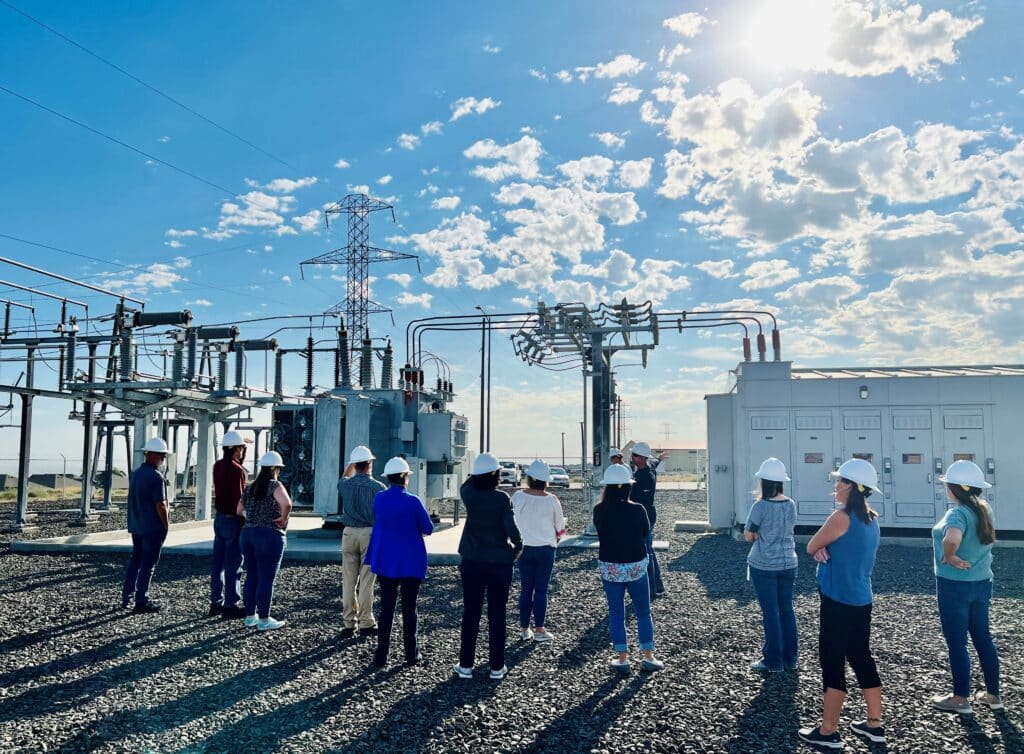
x=677, y=460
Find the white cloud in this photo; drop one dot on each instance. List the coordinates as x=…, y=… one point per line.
x=635, y=174
x=174, y=243
x=175, y=233
x=610, y=140
x=539, y=75
x=519, y=158
x=158, y=277
x=717, y=269
x=257, y=210
x=668, y=55
x=617, y=67
x=592, y=171
x=680, y=175
x=401, y=278
x=656, y=282
x=445, y=202
x=618, y=268
x=285, y=230
x=164, y=139
x=825, y=294
x=492, y=49
x=687, y=24
x=408, y=141
x=384, y=180
x=342, y=164
x=407, y=299
x=199, y=302
x=430, y=188
x=472, y=106
x=286, y=279
x=433, y=127
x=768, y=273
x=288, y=185
x=564, y=76
x=359, y=188
x=624, y=94
x=309, y=221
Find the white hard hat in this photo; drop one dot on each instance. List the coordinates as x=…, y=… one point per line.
x=614, y=452
x=773, y=470
x=965, y=473
x=539, y=470
x=617, y=474
x=642, y=449
x=361, y=454
x=156, y=445
x=485, y=463
x=271, y=458
x=396, y=465
x=233, y=439
x=859, y=471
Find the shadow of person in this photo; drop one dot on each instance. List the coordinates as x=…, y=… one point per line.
x=977, y=738
x=580, y=727
x=770, y=720
x=1012, y=738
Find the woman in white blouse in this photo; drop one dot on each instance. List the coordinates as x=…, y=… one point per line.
x=539, y=518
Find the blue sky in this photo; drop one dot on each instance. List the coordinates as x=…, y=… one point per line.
x=857, y=168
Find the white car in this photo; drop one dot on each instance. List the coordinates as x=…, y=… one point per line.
x=558, y=477
x=510, y=474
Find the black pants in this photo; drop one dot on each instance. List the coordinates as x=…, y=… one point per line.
x=844, y=635
x=492, y=580
x=389, y=589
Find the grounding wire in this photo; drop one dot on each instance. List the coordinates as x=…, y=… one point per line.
x=117, y=141
x=139, y=81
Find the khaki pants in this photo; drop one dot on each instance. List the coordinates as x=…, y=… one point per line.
x=356, y=579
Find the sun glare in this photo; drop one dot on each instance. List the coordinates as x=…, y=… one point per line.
x=790, y=33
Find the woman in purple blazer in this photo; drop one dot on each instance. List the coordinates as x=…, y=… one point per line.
x=397, y=555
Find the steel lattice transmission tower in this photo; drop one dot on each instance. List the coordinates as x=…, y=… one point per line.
x=357, y=255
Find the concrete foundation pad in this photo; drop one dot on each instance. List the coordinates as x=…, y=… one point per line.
x=590, y=543
x=196, y=538
x=696, y=527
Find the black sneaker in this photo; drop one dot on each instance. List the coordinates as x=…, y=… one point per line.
x=814, y=737
x=872, y=733
x=348, y=633
x=142, y=608
x=371, y=631
x=417, y=660
x=125, y=602
x=215, y=610
x=233, y=612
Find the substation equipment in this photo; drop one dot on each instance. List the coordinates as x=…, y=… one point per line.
x=911, y=423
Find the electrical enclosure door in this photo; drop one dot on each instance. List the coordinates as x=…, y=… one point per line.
x=912, y=484
x=963, y=439
x=813, y=456
x=862, y=438
x=769, y=438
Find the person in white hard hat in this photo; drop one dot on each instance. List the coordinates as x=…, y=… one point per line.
x=398, y=556
x=266, y=506
x=229, y=480
x=962, y=543
x=147, y=523
x=644, y=486
x=615, y=455
x=356, y=493
x=772, y=566
x=845, y=548
x=541, y=523
x=622, y=529
x=489, y=546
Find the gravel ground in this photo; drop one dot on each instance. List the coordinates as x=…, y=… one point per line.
x=77, y=675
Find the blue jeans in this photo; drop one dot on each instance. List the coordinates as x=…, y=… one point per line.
x=535, y=566
x=145, y=554
x=226, y=577
x=963, y=610
x=654, y=582
x=774, y=591
x=639, y=592
x=262, y=549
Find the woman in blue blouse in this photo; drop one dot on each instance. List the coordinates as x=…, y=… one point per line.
x=398, y=557
x=962, y=543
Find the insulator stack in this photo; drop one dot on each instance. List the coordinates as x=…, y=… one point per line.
x=777, y=344
x=746, y=349
x=309, y=365
x=366, y=364
x=761, y=347
x=177, y=361
x=222, y=370
x=239, y=366
x=278, y=374
x=192, y=340
x=387, y=367
x=125, y=359
x=69, y=376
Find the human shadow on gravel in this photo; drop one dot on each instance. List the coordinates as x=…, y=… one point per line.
x=587, y=644
x=770, y=721
x=87, y=623
x=579, y=728
x=60, y=695
x=199, y=701
x=1011, y=734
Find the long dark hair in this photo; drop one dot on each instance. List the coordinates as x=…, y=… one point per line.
x=615, y=493
x=263, y=479
x=770, y=488
x=535, y=484
x=971, y=498
x=857, y=502
x=487, y=481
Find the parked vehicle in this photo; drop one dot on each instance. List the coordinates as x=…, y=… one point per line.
x=510, y=473
x=558, y=477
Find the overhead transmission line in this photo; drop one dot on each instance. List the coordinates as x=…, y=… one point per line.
x=117, y=141
x=147, y=85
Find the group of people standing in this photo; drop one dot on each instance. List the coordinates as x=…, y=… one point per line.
x=844, y=549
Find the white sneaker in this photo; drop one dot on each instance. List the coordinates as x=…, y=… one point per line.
x=250, y=621
x=464, y=673
x=526, y=634
x=497, y=675
x=989, y=700
x=620, y=666
x=270, y=624
x=543, y=636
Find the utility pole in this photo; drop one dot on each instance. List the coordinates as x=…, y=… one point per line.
x=563, y=450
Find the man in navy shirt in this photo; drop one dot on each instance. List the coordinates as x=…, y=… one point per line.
x=147, y=523
x=642, y=491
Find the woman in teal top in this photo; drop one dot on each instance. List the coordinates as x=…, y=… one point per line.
x=845, y=548
x=962, y=542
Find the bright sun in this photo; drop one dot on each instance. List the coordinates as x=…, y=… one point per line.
x=790, y=33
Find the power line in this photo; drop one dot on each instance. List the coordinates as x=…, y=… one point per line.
x=151, y=88
x=92, y=130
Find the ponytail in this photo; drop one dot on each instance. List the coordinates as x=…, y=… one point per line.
x=856, y=502
x=970, y=497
